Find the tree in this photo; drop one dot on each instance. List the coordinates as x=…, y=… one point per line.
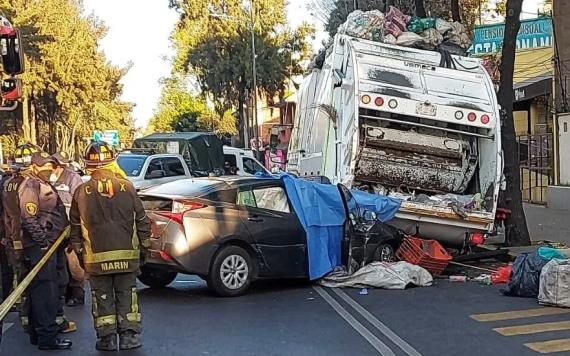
x=213, y=44
x=516, y=228
x=70, y=89
x=181, y=111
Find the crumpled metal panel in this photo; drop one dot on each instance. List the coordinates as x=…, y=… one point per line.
x=417, y=161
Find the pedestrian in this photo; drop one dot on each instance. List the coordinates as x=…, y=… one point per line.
x=35, y=217
x=109, y=225
x=66, y=181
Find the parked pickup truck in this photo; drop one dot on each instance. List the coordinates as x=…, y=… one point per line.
x=145, y=169
x=399, y=122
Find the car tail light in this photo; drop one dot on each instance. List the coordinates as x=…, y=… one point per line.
x=472, y=116
x=477, y=238
x=379, y=101
x=485, y=119
x=459, y=115
x=165, y=256
x=393, y=104
x=365, y=99
x=179, y=208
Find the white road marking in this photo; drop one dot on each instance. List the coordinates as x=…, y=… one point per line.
x=6, y=326
x=381, y=347
x=407, y=348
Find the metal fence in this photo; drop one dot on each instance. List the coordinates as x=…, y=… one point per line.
x=536, y=157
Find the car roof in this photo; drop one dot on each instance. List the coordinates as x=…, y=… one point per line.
x=225, y=182
x=157, y=155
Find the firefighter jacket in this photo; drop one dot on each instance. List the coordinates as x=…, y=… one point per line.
x=33, y=212
x=108, y=219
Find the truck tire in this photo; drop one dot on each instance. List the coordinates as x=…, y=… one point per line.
x=156, y=278
x=231, y=272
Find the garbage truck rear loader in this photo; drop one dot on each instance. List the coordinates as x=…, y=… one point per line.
x=392, y=120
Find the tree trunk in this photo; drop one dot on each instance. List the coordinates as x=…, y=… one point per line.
x=420, y=8
x=242, y=127
x=25, y=119
x=32, y=120
x=516, y=233
x=455, y=13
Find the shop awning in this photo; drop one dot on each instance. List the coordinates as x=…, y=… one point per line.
x=533, y=73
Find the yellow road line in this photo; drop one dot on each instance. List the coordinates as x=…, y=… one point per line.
x=533, y=328
x=519, y=314
x=546, y=347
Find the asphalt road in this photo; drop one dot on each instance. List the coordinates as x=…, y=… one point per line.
x=298, y=318
x=547, y=223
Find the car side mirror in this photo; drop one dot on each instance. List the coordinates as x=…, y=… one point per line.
x=156, y=174
x=11, y=52
x=369, y=216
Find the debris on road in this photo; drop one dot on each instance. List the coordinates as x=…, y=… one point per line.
x=363, y=291
x=554, y=286
x=462, y=279
x=428, y=254
x=526, y=275
x=396, y=275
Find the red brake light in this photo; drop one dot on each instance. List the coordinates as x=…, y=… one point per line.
x=379, y=101
x=485, y=119
x=365, y=99
x=472, y=116
x=165, y=256
x=477, y=238
x=176, y=217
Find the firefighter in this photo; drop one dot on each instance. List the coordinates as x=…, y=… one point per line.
x=109, y=225
x=66, y=181
x=35, y=218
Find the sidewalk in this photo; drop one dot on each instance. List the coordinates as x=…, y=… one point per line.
x=547, y=223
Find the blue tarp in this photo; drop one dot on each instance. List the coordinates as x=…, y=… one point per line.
x=321, y=212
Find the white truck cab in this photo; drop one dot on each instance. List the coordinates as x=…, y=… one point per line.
x=146, y=170
x=244, y=161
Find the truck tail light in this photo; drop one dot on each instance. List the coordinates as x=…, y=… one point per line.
x=472, y=117
x=365, y=99
x=477, y=238
x=393, y=104
x=379, y=101
x=485, y=119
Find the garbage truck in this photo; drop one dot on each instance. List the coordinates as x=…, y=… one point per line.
x=418, y=125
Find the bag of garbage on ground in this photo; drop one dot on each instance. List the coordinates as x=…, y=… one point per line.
x=397, y=275
x=525, y=279
x=555, y=284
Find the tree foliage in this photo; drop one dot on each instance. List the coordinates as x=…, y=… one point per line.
x=70, y=88
x=213, y=43
x=181, y=111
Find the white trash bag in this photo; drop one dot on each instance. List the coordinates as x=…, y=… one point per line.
x=554, y=286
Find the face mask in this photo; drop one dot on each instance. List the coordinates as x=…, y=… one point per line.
x=45, y=174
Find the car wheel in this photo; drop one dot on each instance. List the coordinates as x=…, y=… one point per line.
x=385, y=253
x=155, y=278
x=231, y=272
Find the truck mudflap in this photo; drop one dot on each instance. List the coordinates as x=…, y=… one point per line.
x=410, y=159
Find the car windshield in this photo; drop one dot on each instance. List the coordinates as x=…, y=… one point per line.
x=131, y=164
x=190, y=188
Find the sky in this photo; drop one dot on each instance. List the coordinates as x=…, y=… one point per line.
x=139, y=33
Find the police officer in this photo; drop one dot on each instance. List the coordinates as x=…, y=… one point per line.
x=65, y=182
x=35, y=218
x=109, y=224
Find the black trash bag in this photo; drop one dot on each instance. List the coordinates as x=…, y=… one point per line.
x=525, y=279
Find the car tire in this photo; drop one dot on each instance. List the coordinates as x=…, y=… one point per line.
x=231, y=272
x=385, y=253
x=156, y=278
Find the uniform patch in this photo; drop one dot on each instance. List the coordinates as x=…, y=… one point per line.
x=32, y=208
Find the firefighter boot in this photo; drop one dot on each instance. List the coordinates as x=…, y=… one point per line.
x=107, y=343
x=129, y=340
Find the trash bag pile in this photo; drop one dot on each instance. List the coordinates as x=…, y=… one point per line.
x=394, y=27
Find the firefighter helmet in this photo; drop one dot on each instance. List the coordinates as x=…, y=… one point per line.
x=23, y=154
x=98, y=154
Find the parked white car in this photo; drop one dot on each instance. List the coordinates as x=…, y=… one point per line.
x=244, y=161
